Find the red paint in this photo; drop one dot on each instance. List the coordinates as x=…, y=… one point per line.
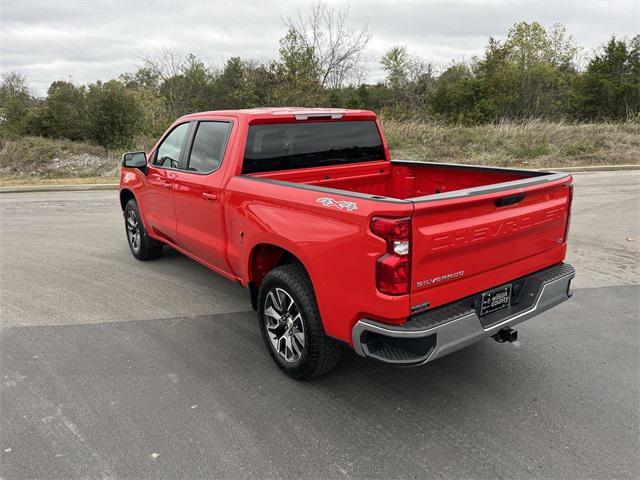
x=241, y=228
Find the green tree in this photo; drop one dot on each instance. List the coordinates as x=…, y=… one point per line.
x=261, y=85
x=15, y=101
x=297, y=73
x=155, y=118
x=143, y=78
x=192, y=90
x=357, y=97
x=497, y=80
x=145, y=84
x=409, y=80
x=63, y=113
x=234, y=87
x=396, y=63
x=610, y=87
x=531, y=73
x=114, y=116
x=458, y=96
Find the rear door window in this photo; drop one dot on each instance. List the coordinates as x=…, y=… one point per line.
x=285, y=146
x=208, y=146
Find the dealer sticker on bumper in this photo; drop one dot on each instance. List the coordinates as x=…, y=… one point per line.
x=496, y=299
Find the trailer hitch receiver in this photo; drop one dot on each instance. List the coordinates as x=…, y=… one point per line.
x=506, y=335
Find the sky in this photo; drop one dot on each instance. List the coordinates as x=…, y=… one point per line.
x=87, y=40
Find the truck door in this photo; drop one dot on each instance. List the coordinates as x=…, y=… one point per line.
x=158, y=203
x=198, y=194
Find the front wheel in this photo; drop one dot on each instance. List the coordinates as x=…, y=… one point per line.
x=142, y=246
x=291, y=326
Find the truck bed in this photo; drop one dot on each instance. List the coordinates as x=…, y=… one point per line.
x=472, y=227
x=407, y=180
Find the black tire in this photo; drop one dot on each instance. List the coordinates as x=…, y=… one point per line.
x=319, y=353
x=142, y=246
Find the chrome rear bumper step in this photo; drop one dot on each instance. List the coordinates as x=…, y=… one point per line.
x=432, y=334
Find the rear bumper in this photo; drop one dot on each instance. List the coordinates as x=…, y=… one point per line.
x=443, y=330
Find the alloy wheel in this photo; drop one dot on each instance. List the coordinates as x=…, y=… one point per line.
x=284, y=324
x=133, y=230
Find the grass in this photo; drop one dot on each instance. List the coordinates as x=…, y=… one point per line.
x=21, y=181
x=46, y=159
x=530, y=144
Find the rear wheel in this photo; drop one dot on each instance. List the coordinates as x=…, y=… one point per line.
x=142, y=246
x=291, y=326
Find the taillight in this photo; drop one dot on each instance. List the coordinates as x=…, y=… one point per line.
x=392, y=269
x=569, y=202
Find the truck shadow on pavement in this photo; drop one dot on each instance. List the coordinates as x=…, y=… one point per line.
x=199, y=397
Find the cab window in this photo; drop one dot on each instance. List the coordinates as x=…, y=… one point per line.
x=168, y=153
x=208, y=146
x=286, y=146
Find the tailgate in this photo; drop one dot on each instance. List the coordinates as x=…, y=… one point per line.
x=467, y=241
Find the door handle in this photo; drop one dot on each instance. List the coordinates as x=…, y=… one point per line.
x=166, y=184
x=209, y=196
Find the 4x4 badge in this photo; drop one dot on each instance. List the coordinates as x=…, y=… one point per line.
x=342, y=204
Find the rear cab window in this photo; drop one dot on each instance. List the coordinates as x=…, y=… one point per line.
x=285, y=146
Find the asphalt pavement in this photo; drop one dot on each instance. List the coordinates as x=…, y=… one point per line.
x=114, y=368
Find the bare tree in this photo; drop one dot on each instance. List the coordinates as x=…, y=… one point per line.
x=337, y=46
x=164, y=63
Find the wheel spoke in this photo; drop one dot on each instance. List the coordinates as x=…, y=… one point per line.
x=291, y=304
x=296, y=345
x=275, y=301
x=271, y=312
x=282, y=296
x=282, y=346
x=290, y=352
x=275, y=330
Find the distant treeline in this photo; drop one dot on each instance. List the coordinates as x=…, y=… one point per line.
x=533, y=73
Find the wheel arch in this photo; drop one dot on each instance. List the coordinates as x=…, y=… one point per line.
x=263, y=258
x=125, y=196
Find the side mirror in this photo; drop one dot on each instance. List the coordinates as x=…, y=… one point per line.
x=134, y=159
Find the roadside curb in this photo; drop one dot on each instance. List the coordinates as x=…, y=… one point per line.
x=59, y=188
x=114, y=186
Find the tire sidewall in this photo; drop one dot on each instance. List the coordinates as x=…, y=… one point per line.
x=149, y=248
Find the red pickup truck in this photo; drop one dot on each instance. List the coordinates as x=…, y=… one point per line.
x=338, y=245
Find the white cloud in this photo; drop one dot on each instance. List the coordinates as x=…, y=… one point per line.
x=86, y=40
